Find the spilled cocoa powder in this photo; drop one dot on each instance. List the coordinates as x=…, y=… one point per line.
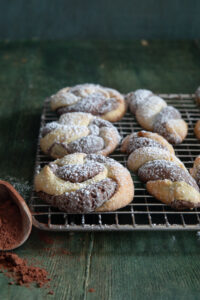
x=11, y=230
x=45, y=238
x=56, y=251
x=10, y=223
x=91, y=290
x=22, y=273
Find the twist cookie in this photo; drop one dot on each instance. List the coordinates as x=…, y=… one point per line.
x=79, y=132
x=197, y=129
x=197, y=95
x=195, y=170
x=144, y=138
x=165, y=176
x=81, y=183
x=100, y=101
x=153, y=114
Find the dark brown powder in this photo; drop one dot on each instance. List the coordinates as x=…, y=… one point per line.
x=91, y=290
x=51, y=292
x=10, y=224
x=23, y=274
x=43, y=236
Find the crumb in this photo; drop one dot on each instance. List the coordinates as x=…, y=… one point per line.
x=144, y=43
x=63, y=251
x=23, y=60
x=51, y=293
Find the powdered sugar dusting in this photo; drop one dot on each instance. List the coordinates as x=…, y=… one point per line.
x=136, y=98
x=86, y=199
x=153, y=113
x=151, y=151
x=21, y=185
x=64, y=98
x=83, y=90
x=142, y=94
x=151, y=106
x=50, y=127
x=76, y=118
x=88, y=144
x=162, y=169
x=94, y=137
x=79, y=173
x=168, y=113
x=167, y=122
x=95, y=104
x=91, y=98
x=140, y=142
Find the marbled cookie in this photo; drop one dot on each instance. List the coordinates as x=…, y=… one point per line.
x=144, y=138
x=197, y=129
x=165, y=175
x=195, y=170
x=79, y=132
x=81, y=183
x=153, y=114
x=100, y=101
x=197, y=95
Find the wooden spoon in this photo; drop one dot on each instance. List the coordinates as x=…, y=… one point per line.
x=7, y=191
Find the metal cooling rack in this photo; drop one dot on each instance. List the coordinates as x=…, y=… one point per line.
x=145, y=212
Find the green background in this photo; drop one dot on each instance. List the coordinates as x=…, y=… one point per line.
x=106, y=19
x=134, y=265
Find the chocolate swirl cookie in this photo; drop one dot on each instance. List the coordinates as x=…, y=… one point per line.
x=195, y=170
x=81, y=183
x=197, y=129
x=197, y=95
x=79, y=132
x=100, y=101
x=153, y=114
x=166, y=178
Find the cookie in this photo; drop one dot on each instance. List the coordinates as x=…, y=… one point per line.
x=144, y=139
x=197, y=130
x=165, y=175
x=197, y=95
x=100, y=101
x=153, y=114
x=81, y=183
x=178, y=195
x=78, y=132
x=195, y=170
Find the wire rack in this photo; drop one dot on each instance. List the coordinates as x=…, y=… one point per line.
x=145, y=212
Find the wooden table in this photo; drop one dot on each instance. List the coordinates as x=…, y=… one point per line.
x=132, y=265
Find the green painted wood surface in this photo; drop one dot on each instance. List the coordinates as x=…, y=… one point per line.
x=119, y=19
x=136, y=265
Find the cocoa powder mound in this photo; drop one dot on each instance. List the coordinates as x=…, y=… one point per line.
x=10, y=223
x=23, y=274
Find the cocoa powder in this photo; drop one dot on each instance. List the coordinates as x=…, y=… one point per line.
x=10, y=223
x=11, y=231
x=43, y=236
x=23, y=274
x=91, y=290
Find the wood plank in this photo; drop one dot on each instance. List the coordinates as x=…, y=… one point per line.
x=145, y=266
x=117, y=265
x=99, y=19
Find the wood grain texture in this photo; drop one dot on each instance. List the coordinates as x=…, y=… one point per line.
x=149, y=265
x=117, y=19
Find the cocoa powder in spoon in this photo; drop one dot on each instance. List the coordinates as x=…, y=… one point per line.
x=10, y=224
x=11, y=231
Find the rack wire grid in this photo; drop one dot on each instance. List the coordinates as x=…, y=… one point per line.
x=145, y=212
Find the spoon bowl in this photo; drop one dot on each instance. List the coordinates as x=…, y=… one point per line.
x=7, y=191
